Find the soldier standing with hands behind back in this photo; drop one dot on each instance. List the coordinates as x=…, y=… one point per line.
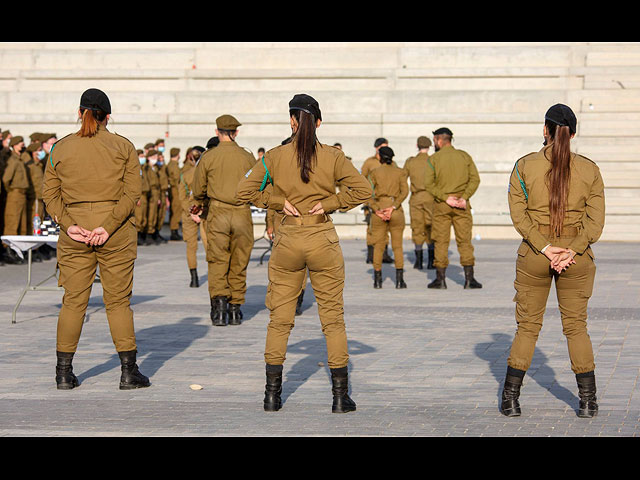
x=452, y=179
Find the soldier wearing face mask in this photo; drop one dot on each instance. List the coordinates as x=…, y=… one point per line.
x=142, y=206
x=16, y=182
x=35, y=204
x=151, y=169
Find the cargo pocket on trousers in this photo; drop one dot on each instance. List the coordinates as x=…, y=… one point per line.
x=267, y=298
x=332, y=236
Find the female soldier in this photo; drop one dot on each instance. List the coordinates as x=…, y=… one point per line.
x=389, y=191
x=556, y=199
x=303, y=174
x=143, y=204
x=91, y=186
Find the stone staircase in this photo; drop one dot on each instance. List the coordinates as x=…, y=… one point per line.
x=491, y=95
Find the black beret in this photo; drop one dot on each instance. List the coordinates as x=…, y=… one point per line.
x=94, y=99
x=199, y=148
x=562, y=115
x=380, y=141
x=443, y=131
x=386, y=152
x=306, y=103
x=213, y=142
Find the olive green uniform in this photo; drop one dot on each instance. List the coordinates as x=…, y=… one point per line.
x=36, y=177
x=229, y=223
x=421, y=201
x=163, y=180
x=93, y=182
x=154, y=196
x=451, y=172
x=16, y=182
x=175, y=214
x=583, y=224
x=189, y=227
x=369, y=165
x=308, y=241
x=390, y=189
x=142, y=208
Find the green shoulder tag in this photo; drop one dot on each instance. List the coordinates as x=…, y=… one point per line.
x=524, y=188
x=267, y=176
x=51, y=155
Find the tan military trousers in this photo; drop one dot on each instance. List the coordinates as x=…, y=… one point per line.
x=443, y=217
x=78, y=263
x=380, y=231
x=15, y=212
x=162, y=210
x=421, y=212
x=573, y=287
x=152, y=210
x=229, y=245
x=296, y=248
x=141, y=213
x=175, y=214
x=277, y=221
x=190, y=236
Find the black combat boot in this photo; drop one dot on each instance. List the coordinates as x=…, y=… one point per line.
x=400, y=278
x=219, y=311
x=418, y=265
x=377, y=279
x=148, y=239
x=175, y=235
x=342, y=403
x=234, y=313
x=141, y=238
x=195, y=283
x=511, y=392
x=131, y=377
x=430, y=256
x=65, y=379
x=299, y=304
x=369, y=253
x=587, y=392
x=273, y=388
x=440, y=281
x=155, y=236
x=469, y=281
x=386, y=258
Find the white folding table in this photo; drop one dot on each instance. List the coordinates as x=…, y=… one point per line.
x=21, y=243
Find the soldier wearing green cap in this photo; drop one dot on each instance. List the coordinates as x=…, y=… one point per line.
x=15, y=180
x=229, y=223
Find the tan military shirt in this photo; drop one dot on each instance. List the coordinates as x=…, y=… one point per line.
x=389, y=187
x=453, y=171
x=184, y=188
x=101, y=168
x=284, y=174
x=173, y=173
x=163, y=177
x=15, y=173
x=218, y=172
x=585, y=204
x=416, y=169
x=36, y=175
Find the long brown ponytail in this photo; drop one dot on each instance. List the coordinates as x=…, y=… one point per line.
x=305, y=142
x=90, y=119
x=559, y=175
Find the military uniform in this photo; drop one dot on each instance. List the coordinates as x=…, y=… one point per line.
x=153, y=207
x=142, y=207
x=229, y=223
x=189, y=227
x=16, y=182
x=452, y=172
x=390, y=189
x=163, y=180
x=173, y=172
x=369, y=165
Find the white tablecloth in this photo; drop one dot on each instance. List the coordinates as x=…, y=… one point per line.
x=22, y=243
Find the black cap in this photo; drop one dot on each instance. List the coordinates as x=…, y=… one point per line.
x=386, y=152
x=380, y=141
x=443, y=131
x=562, y=115
x=94, y=99
x=199, y=148
x=213, y=142
x=306, y=103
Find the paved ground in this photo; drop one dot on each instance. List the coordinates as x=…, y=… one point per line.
x=423, y=363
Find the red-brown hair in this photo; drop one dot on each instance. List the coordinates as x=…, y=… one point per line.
x=559, y=175
x=90, y=119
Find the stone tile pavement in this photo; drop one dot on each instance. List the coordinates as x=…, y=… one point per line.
x=423, y=363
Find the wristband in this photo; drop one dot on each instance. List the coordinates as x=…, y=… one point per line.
x=548, y=245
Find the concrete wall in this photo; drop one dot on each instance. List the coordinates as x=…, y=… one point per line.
x=492, y=95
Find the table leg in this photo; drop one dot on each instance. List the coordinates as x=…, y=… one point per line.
x=15, y=309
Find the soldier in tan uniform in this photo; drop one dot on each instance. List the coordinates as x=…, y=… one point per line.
x=36, y=175
x=91, y=186
x=229, y=223
x=173, y=172
x=191, y=224
x=368, y=166
x=556, y=200
x=420, y=203
x=155, y=201
x=303, y=174
x=163, y=179
x=389, y=184
x=142, y=206
x=452, y=179
x=15, y=180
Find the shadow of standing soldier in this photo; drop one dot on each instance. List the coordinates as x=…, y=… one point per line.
x=315, y=359
x=157, y=345
x=496, y=353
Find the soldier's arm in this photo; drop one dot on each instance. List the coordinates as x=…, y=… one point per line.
x=474, y=179
x=404, y=191
x=249, y=187
x=430, y=183
x=199, y=184
x=593, y=220
x=52, y=196
x=131, y=192
x=357, y=191
x=520, y=217
x=7, y=176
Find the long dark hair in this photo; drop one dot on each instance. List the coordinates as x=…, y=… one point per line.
x=559, y=175
x=305, y=142
x=90, y=119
